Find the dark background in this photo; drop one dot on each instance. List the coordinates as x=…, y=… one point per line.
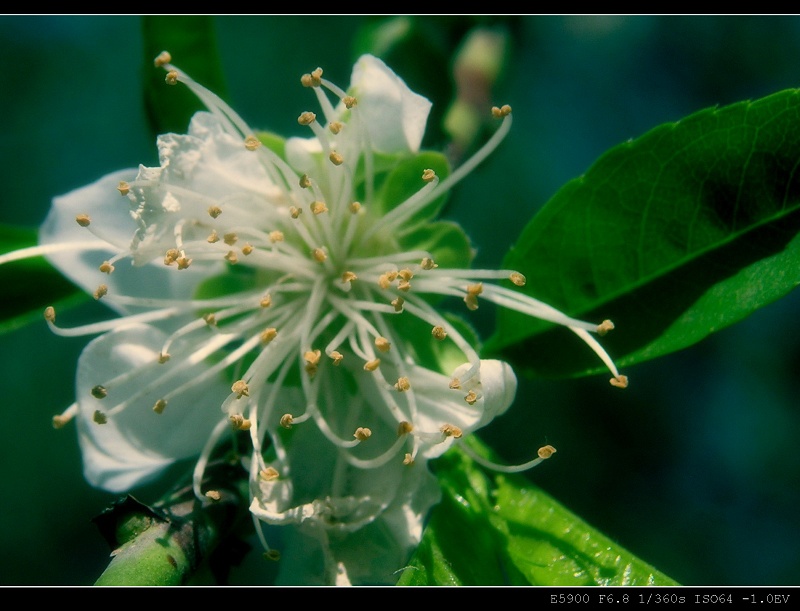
x=694, y=467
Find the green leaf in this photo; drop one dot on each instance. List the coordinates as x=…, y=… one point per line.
x=518, y=535
x=673, y=236
x=191, y=40
x=30, y=285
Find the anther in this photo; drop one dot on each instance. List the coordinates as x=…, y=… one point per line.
x=306, y=118
x=171, y=78
x=305, y=181
x=318, y=207
x=386, y=279
x=172, y=255
x=546, y=452
x=214, y=211
x=471, y=397
x=60, y=421
x=620, y=381
x=471, y=298
x=240, y=423
x=268, y=334
x=428, y=263
x=230, y=238
x=455, y=384
x=451, y=430
x=382, y=344
x=319, y=255
x=273, y=555
x=335, y=127
x=286, y=421
x=251, y=143
x=405, y=274
x=123, y=187
x=83, y=220
x=312, y=361
x=439, y=332
x=184, y=262
x=210, y=319
x=247, y=249
x=402, y=385
x=336, y=158
x=404, y=285
x=269, y=474
x=355, y=207
x=213, y=237
x=106, y=267
x=349, y=101
x=163, y=357
x=241, y=389
x=397, y=303
x=404, y=428
x=336, y=357
x=294, y=212
x=348, y=277
x=428, y=175
x=100, y=292
x=99, y=417
x=517, y=278
x=408, y=460
x=50, y=314
x=312, y=80
x=276, y=236
x=232, y=257
x=162, y=59
x=99, y=392
x=213, y=495
x=266, y=301
x=604, y=327
x=160, y=406
x=362, y=433
x=372, y=365
x=501, y=111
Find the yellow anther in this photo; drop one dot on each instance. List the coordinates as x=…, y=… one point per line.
x=336, y=357
x=471, y=397
x=247, y=249
x=184, y=262
x=50, y=314
x=408, y=460
x=402, y=385
x=294, y=211
x=318, y=207
x=231, y=257
x=268, y=334
x=546, y=452
x=160, y=406
x=455, y=384
x=475, y=289
x=240, y=389
x=312, y=357
x=210, y=319
x=213, y=237
x=286, y=421
x=106, y=267
x=348, y=277
x=163, y=357
x=439, y=332
x=162, y=59
x=60, y=421
x=318, y=255
x=428, y=175
x=451, y=430
x=620, y=381
x=171, y=78
x=123, y=187
x=386, y=279
x=349, y=101
x=213, y=495
x=604, y=327
x=305, y=181
x=251, y=143
x=336, y=158
x=498, y=112
x=362, y=433
x=99, y=392
x=214, y=211
x=240, y=423
x=355, y=207
x=404, y=428
x=382, y=344
x=312, y=80
x=428, y=263
x=230, y=238
x=269, y=474
x=172, y=255
x=471, y=298
x=99, y=417
x=266, y=301
x=273, y=555
x=404, y=285
x=397, y=303
x=100, y=292
x=276, y=236
x=335, y=127
x=306, y=118
x=517, y=278
x=83, y=220
x=406, y=274
x=372, y=365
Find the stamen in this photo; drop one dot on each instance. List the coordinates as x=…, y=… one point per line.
x=123, y=187
x=106, y=267
x=240, y=389
x=305, y=181
x=471, y=397
x=402, y=384
x=502, y=111
x=349, y=101
x=160, y=406
x=213, y=495
x=318, y=254
x=50, y=314
x=335, y=127
x=427, y=264
x=162, y=59
x=247, y=249
x=251, y=143
x=397, y=304
x=362, y=433
x=306, y=118
x=286, y=421
x=213, y=237
x=269, y=474
x=318, y=207
x=336, y=357
x=171, y=78
x=214, y=211
x=451, y=430
x=60, y=420
x=372, y=365
x=517, y=279
x=382, y=344
x=240, y=423
x=268, y=334
x=439, y=333
x=619, y=381
x=336, y=158
x=428, y=175
x=99, y=417
x=100, y=292
x=230, y=238
x=83, y=220
x=604, y=327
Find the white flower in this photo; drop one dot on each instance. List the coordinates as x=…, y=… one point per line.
x=288, y=297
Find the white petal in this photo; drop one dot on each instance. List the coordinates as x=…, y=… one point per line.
x=394, y=116
x=136, y=443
